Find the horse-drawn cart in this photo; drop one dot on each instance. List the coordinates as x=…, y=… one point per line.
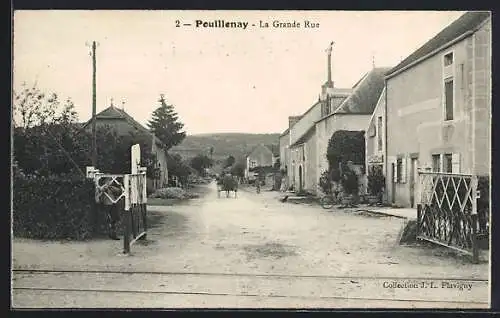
x=227, y=183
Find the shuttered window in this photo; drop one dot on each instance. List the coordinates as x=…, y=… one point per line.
x=448, y=96
x=447, y=163
x=395, y=172
x=399, y=169
x=436, y=163
x=403, y=170
x=455, y=163
x=379, y=133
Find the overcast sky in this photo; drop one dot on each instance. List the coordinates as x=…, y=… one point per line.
x=220, y=80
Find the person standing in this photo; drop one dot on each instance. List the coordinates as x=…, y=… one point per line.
x=111, y=192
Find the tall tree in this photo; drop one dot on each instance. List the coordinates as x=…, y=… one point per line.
x=229, y=161
x=165, y=124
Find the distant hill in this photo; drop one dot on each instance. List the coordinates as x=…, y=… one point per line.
x=225, y=144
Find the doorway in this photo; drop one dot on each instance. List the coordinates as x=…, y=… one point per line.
x=413, y=181
x=300, y=178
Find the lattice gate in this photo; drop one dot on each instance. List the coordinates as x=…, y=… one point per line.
x=132, y=189
x=447, y=213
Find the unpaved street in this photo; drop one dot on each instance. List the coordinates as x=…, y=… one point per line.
x=250, y=251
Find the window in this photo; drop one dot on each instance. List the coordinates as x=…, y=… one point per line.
x=447, y=162
x=436, y=163
x=448, y=99
x=448, y=59
x=399, y=170
x=379, y=133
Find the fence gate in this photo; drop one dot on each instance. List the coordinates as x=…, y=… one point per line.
x=447, y=212
x=135, y=220
x=133, y=191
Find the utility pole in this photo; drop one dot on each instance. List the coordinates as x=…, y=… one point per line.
x=94, y=139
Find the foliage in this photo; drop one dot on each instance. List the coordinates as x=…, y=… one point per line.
x=238, y=169
x=177, y=167
x=345, y=146
x=173, y=193
x=229, y=161
x=237, y=144
x=376, y=181
x=34, y=108
x=166, y=126
x=52, y=208
x=200, y=162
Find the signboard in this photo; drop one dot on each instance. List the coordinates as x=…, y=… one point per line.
x=376, y=159
x=135, y=152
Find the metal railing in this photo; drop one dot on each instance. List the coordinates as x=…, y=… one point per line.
x=447, y=211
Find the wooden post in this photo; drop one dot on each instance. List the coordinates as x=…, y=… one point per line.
x=419, y=217
x=127, y=220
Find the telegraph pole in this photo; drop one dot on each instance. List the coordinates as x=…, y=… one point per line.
x=94, y=139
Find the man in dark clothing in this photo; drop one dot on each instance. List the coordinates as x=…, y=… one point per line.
x=110, y=192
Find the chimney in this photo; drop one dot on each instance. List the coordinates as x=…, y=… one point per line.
x=329, y=82
x=292, y=120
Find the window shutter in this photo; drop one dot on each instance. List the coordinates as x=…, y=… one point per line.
x=395, y=172
x=441, y=163
x=455, y=163
x=403, y=170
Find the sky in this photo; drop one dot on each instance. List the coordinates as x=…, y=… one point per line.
x=219, y=79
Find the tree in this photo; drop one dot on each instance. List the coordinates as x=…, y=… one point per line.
x=177, y=167
x=238, y=169
x=165, y=125
x=229, y=161
x=345, y=146
x=46, y=137
x=200, y=162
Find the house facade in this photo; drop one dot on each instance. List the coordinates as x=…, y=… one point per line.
x=375, y=141
x=353, y=114
x=125, y=124
x=438, y=108
x=261, y=156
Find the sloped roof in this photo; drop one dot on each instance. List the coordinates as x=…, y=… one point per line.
x=285, y=132
x=116, y=113
x=262, y=147
x=468, y=22
x=305, y=136
x=366, y=94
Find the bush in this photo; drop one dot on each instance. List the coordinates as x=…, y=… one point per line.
x=173, y=193
x=376, y=181
x=53, y=207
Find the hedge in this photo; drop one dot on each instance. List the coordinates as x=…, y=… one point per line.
x=55, y=208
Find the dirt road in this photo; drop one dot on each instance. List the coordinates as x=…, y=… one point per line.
x=250, y=251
